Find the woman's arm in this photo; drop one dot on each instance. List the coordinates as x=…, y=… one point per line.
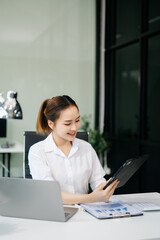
x=98, y=195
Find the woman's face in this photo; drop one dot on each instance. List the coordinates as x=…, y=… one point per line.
x=67, y=125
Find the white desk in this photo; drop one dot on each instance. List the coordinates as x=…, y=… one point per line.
x=17, y=148
x=83, y=226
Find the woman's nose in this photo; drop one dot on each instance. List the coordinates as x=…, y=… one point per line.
x=73, y=127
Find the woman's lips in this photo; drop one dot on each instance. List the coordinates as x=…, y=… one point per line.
x=72, y=134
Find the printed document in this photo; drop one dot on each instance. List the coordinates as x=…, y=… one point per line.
x=111, y=209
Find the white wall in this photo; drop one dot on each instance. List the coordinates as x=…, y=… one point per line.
x=47, y=48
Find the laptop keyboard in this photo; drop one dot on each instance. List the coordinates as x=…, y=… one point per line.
x=66, y=214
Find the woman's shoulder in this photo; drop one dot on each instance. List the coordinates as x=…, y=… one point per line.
x=39, y=146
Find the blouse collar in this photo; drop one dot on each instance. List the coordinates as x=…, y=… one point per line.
x=50, y=146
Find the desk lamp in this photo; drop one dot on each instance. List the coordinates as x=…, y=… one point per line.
x=3, y=122
x=9, y=109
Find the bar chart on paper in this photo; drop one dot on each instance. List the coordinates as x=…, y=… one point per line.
x=111, y=209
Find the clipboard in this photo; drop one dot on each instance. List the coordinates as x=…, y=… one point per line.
x=111, y=209
x=127, y=170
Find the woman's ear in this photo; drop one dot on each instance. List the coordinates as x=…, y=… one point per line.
x=50, y=124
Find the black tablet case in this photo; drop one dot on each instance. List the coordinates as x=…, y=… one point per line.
x=126, y=171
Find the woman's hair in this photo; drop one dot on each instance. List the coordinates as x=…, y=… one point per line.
x=50, y=110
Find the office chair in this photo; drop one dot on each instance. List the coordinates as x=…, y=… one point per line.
x=31, y=138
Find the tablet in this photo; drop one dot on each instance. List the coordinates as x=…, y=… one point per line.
x=126, y=171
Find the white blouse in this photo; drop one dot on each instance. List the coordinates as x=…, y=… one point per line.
x=74, y=173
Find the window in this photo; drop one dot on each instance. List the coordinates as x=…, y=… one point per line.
x=132, y=87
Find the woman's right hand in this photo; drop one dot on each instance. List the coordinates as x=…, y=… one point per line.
x=100, y=195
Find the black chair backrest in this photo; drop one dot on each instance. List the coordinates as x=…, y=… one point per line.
x=31, y=138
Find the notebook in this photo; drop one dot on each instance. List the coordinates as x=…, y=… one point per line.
x=33, y=199
x=127, y=170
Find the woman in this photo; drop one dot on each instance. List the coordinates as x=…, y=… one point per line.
x=64, y=158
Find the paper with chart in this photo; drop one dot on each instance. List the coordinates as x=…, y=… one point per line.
x=111, y=209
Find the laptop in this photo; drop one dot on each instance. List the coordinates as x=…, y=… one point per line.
x=33, y=199
x=126, y=171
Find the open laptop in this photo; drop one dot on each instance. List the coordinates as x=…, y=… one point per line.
x=127, y=170
x=33, y=199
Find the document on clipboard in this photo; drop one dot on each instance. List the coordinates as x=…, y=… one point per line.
x=111, y=209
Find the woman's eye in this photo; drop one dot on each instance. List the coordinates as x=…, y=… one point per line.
x=68, y=124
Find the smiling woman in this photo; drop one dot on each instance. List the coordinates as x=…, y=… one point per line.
x=65, y=129
x=50, y=111
x=61, y=115
x=64, y=158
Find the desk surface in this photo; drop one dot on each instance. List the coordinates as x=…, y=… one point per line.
x=17, y=148
x=84, y=226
